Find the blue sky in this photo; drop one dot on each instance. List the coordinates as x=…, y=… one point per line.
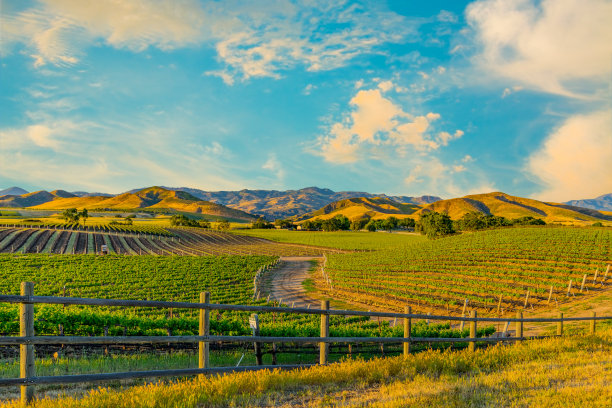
x=402, y=97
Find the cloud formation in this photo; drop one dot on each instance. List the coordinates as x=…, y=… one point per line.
x=376, y=120
x=251, y=40
x=556, y=46
x=575, y=161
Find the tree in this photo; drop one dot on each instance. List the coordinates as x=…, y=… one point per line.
x=406, y=223
x=223, y=225
x=284, y=224
x=435, y=224
x=261, y=223
x=371, y=226
x=204, y=224
x=357, y=225
x=71, y=215
x=84, y=215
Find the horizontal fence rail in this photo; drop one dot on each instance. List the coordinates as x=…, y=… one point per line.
x=27, y=339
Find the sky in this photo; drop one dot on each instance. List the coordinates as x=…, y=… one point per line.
x=444, y=98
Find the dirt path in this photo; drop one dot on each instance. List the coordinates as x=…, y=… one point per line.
x=285, y=282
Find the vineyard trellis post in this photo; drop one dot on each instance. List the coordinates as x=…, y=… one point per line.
x=473, y=328
x=204, y=330
x=407, y=330
x=26, y=351
x=592, y=323
x=560, y=325
x=323, y=347
x=519, y=325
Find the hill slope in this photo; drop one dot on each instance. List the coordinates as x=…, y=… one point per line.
x=149, y=198
x=508, y=206
x=13, y=191
x=601, y=203
x=275, y=204
x=362, y=207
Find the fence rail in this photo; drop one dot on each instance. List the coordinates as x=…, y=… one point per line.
x=27, y=339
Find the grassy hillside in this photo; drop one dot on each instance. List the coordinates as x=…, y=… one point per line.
x=519, y=375
x=150, y=198
x=362, y=207
x=508, y=206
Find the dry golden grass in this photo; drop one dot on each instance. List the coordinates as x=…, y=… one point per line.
x=559, y=372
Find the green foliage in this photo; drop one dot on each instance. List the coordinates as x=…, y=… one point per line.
x=261, y=223
x=597, y=224
x=528, y=221
x=435, y=224
x=71, y=215
x=286, y=224
x=223, y=225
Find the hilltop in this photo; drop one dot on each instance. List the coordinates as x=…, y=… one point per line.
x=274, y=204
x=601, y=203
x=362, y=207
x=150, y=198
x=501, y=204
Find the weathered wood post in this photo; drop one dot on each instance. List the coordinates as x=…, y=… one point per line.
x=560, y=325
x=26, y=351
x=583, y=282
x=519, y=325
x=204, y=346
x=550, y=294
x=593, y=323
x=407, y=330
x=465, y=302
x=472, y=345
x=323, y=347
x=254, y=324
x=526, y=299
x=569, y=287
x=499, y=304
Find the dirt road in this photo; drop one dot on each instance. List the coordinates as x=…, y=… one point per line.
x=285, y=282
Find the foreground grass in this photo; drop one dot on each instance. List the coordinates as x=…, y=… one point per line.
x=351, y=240
x=567, y=371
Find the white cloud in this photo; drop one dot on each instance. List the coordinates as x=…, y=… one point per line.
x=308, y=89
x=509, y=91
x=273, y=165
x=556, y=46
x=378, y=121
x=214, y=149
x=467, y=159
x=385, y=85
x=58, y=30
x=576, y=159
x=359, y=84
x=446, y=137
x=458, y=168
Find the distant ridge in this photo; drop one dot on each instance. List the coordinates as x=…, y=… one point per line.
x=148, y=198
x=601, y=203
x=274, y=204
x=362, y=207
x=13, y=191
x=501, y=204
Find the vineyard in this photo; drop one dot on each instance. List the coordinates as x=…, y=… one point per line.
x=497, y=270
x=229, y=279
x=183, y=241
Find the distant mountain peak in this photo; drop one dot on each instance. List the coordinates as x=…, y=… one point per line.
x=13, y=191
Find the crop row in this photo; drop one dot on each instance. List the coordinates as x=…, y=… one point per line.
x=181, y=242
x=479, y=267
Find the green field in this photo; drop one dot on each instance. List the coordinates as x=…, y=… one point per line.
x=480, y=267
x=349, y=240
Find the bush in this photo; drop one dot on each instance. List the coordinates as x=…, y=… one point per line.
x=435, y=224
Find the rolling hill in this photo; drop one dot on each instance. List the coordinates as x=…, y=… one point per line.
x=601, y=203
x=13, y=191
x=274, y=204
x=508, y=206
x=362, y=207
x=149, y=198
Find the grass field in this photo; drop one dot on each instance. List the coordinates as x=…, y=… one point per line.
x=557, y=372
x=340, y=239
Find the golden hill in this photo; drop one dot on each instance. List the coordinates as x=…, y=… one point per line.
x=148, y=198
x=362, y=207
x=510, y=207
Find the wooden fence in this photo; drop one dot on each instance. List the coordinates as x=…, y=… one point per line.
x=27, y=339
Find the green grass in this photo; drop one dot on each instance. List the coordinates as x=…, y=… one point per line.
x=557, y=372
x=351, y=240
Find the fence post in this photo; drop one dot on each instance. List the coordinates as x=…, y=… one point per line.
x=472, y=345
x=26, y=351
x=593, y=323
x=519, y=325
x=560, y=325
x=254, y=324
x=407, y=330
x=323, y=347
x=204, y=331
